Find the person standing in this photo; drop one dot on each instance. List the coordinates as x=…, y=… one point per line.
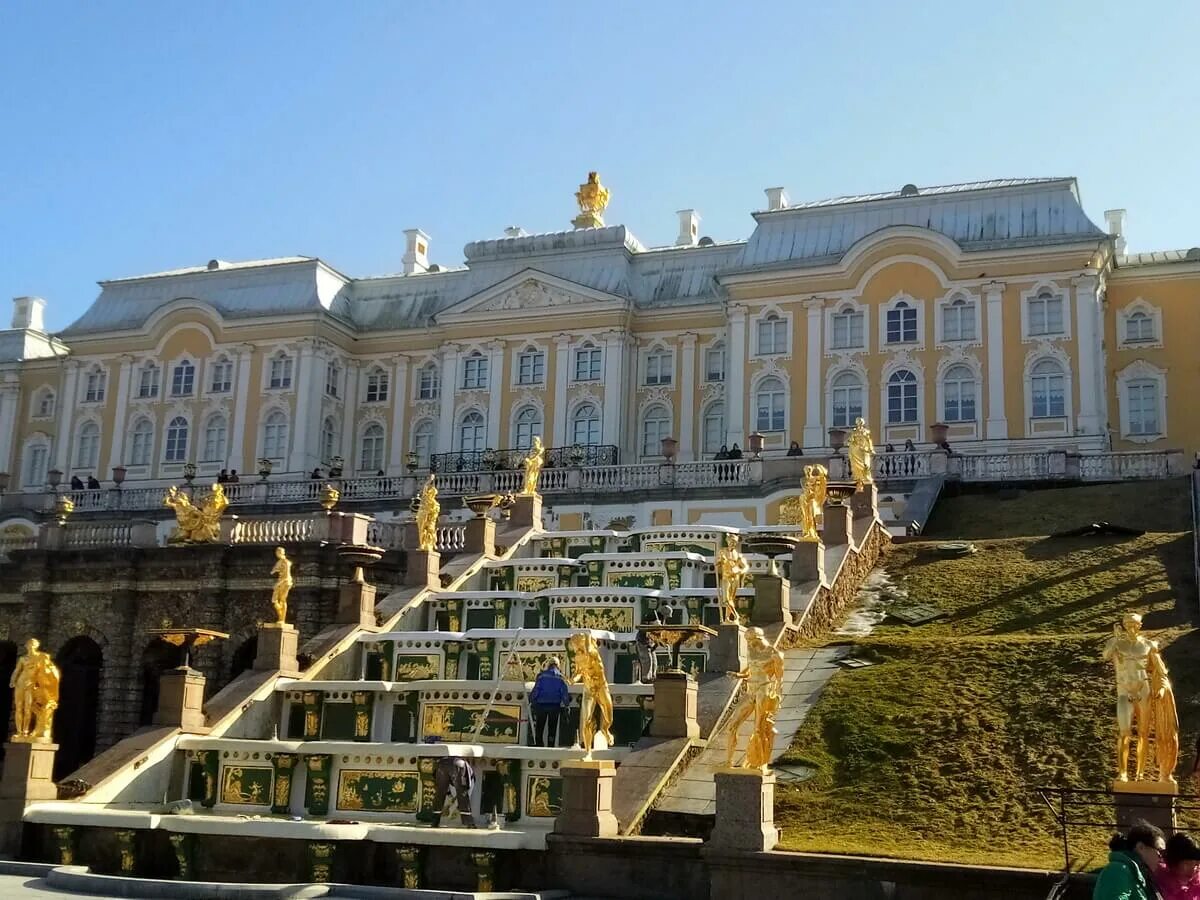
x=454, y=773
x=1178, y=875
x=1132, y=858
x=548, y=698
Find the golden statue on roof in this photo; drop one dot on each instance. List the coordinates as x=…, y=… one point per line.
x=592, y=197
x=197, y=523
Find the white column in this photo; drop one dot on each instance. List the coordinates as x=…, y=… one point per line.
x=445, y=441
x=301, y=422
x=399, y=397
x=496, y=379
x=67, y=399
x=614, y=396
x=117, y=444
x=814, y=432
x=562, y=362
x=996, y=426
x=237, y=457
x=349, y=410
x=1087, y=338
x=735, y=378
x=10, y=400
x=687, y=396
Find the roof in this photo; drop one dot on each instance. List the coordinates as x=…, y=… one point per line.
x=217, y=265
x=1158, y=258
x=933, y=190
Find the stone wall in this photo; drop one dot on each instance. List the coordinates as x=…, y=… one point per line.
x=830, y=602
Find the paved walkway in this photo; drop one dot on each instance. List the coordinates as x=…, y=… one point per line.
x=805, y=674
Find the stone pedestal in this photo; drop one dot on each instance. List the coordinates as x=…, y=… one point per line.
x=1150, y=801
x=28, y=776
x=727, y=651
x=675, y=702
x=424, y=567
x=587, y=795
x=481, y=536
x=772, y=600
x=808, y=562
x=745, y=819
x=277, y=645
x=527, y=511
x=864, y=502
x=181, y=700
x=356, y=603
x=837, y=528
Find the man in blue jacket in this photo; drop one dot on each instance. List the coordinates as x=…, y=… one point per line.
x=548, y=699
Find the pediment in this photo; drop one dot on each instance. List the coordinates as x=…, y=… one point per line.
x=531, y=291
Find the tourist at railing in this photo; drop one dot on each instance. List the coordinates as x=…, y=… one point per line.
x=1178, y=875
x=76, y=483
x=547, y=700
x=93, y=484
x=735, y=452
x=316, y=474
x=1132, y=859
x=233, y=477
x=887, y=465
x=223, y=476
x=794, y=449
x=722, y=454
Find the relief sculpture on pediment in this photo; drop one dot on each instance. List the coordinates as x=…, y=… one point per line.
x=532, y=294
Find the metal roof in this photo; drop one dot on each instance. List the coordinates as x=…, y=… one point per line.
x=1158, y=258
x=931, y=190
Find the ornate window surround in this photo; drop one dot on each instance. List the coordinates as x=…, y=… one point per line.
x=943, y=303
x=854, y=367
x=1031, y=293
x=1126, y=312
x=762, y=316
x=1047, y=350
x=945, y=365
x=893, y=303
x=840, y=305
x=530, y=346
x=1140, y=370
x=898, y=362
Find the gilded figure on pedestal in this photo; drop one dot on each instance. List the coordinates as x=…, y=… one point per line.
x=197, y=524
x=427, y=516
x=588, y=667
x=862, y=453
x=35, y=683
x=533, y=463
x=1145, y=702
x=764, y=678
x=283, y=585
x=732, y=569
x=592, y=198
x=812, y=502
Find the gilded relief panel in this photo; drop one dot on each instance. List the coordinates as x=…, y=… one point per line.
x=247, y=785
x=376, y=791
x=459, y=722
x=545, y=795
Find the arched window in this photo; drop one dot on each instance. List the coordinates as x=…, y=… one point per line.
x=585, y=424
x=656, y=425
x=901, y=323
x=370, y=457
x=427, y=382
x=377, y=386
x=847, y=328
x=422, y=442
x=37, y=461
x=770, y=405
x=1048, y=390
x=275, y=436
x=471, y=433
x=958, y=320
x=329, y=440
x=148, y=381
x=87, y=448
x=141, y=443
x=183, y=379
x=958, y=393
x=215, y=432
x=772, y=335
x=44, y=405
x=714, y=428
x=221, y=381
x=1139, y=327
x=1142, y=398
x=847, y=400
x=177, y=440
x=529, y=423
x=902, y=398
x=280, y=371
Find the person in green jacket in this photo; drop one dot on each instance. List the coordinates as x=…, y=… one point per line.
x=1132, y=858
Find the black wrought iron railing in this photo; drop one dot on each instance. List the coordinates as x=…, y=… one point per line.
x=497, y=460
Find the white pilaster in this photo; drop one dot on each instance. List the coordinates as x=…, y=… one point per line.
x=735, y=377
x=814, y=432
x=496, y=376
x=687, y=396
x=301, y=425
x=445, y=436
x=399, y=397
x=67, y=399
x=996, y=426
x=1088, y=337
x=10, y=400
x=238, y=457
x=349, y=411
x=614, y=393
x=117, y=445
x=562, y=362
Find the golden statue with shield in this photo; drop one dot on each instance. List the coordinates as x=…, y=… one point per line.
x=35, y=682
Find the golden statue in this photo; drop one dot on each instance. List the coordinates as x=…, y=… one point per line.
x=35, y=695
x=732, y=569
x=197, y=524
x=588, y=668
x=533, y=462
x=1145, y=701
x=812, y=501
x=283, y=585
x=764, y=677
x=862, y=453
x=592, y=198
x=427, y=516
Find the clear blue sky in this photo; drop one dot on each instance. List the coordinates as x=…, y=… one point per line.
x=136, y=137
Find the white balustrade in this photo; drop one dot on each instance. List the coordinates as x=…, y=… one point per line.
x=711, y=473
x=1031, y=466
x=273, y=531
x=388, y=535
x=462, y=482
x=295, y=491
x=451, y=538
x=98, y=534
x=1121, y=466
x=620, y=478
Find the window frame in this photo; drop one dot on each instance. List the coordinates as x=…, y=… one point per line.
x=183, y=379
x=905, y=387
x=281, y=371
x=659, y=361
x=777, y=329
x=594, y=361
x=377, y=386
x=223, y=450
x=175, y=446
x=141, y=455
x=859, y=385
x=277, y=431
x=663, y=423
x=373, y=436
x=957, y=381
x=596, y=419
x=773, y=416
x=475, y=372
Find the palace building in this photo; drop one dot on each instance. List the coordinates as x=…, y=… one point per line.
x=997, y=309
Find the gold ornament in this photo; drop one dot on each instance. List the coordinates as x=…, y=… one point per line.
x=35, y=695
x=533, y=463
x=427, y=517
x=329, y=497
x=197, y=524
x=283, y=585
x=64, y=506
x=732, y=569
x=1145, y=701
x=589, y=670
x=764, y=677
x=592, y=198
x=862, y=453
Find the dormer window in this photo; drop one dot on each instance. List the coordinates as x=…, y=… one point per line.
x=148, y=381
x=183, y=379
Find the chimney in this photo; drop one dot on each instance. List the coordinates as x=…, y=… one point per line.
x=1114, y=220
x=777, y=198
x=689, y=228
x=28, y=314
x=416, y=251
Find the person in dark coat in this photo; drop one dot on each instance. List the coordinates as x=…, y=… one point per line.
x=76, y=483
x=453, y=773
x=794, y=449
x=548, y=699
x=93, y=483
x=735, y=452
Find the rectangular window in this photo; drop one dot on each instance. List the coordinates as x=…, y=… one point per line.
x=960, y=401
x=901, y=324
x=333, y=375
x=847, y=330
x=148, y=382
x=714, y=364
x=222, y=377
x=183, y=380
x=140, y=448
x=214, y=441
x=377, y=387
x=94, y=388
x=427, y=384
x=281, y=372
x=1139, y=327
x=35, y=473
x=587, y=364
x=772, y=336
x=958, y=322
x=658, y=367
x=1143, y=407
x=1046, y=314
x=531, y=368
x=771, y=414
x=475, y=373
x=653, y=432
x=902, y=404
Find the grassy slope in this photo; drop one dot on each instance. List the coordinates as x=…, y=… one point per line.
x=933, y=752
